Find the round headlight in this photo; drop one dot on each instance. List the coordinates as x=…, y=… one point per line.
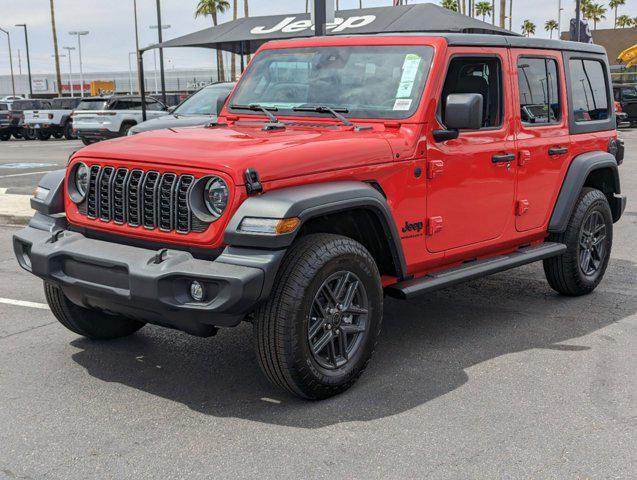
x=216, y=196
x=81, y=179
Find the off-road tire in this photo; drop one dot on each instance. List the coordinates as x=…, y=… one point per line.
x=68, y=131
x=123, y=130
x=58, y=135
x=281, y=323
x=563, y=272
x=5, y=137
x=87, y=141
x=89, y=323
x=29, y=134
x=43, y=136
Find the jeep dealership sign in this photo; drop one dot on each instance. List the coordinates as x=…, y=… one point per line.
x=292, y=25
x=246, y=35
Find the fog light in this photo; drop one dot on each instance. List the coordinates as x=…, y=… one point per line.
x=196, y=291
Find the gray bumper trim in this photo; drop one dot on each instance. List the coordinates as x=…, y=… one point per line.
x=130, y=280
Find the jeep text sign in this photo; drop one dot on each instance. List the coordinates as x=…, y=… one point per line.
x=292, y=25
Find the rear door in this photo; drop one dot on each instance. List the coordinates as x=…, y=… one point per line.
x=543, y=139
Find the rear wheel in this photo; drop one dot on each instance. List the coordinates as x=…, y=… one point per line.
x=29, y=134
x=5, y=136
x=123, y=130
x=68, y=131
x=89, y=323
x=317, y=332
x=589, y=239
x=44, y=136
x=58, y=135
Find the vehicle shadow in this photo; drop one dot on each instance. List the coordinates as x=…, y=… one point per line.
x=425, y=349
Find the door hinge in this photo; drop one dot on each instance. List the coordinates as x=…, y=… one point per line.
x=524, y=157
x=522, y=207
x=253, y=183
x=434, y=225
x=435, y=168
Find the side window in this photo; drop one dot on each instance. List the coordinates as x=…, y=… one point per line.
x=477, y=75
x=153, y=105
x=538, y=85
x=589, y=90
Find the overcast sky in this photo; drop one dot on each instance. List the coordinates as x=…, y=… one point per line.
x=111, y=37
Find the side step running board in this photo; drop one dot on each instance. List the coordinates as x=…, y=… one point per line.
x=472, y=270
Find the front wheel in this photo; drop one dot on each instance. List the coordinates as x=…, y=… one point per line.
x=29, y=133
x=44, y=136
x=589, y=239
x=317, y=332
x=87, y=141
x=5, y=137
x=68, y=131
x=89, y=323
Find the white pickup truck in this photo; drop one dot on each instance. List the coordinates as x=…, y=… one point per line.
x=101, y=118
x=55, y=121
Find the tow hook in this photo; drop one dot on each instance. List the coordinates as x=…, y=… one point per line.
x=160, y=256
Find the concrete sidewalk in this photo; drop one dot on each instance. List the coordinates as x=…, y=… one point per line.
x=14, y=209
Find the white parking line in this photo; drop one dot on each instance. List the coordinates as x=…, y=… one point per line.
x=22, y=303
x=270, y=400
x=23, y=174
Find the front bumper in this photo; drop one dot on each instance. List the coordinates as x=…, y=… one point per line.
x=97, y=134
x=144, y=284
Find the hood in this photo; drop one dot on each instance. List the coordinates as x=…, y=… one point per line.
x=173, y=121
x=275, y=154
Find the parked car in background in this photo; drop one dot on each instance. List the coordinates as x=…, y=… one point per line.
x=200, y=108
x=56, y=121
x=6, y=121
x=11, y=98
x=626, y=95
x=101, y=118
x=17, y=108
x=620, y=116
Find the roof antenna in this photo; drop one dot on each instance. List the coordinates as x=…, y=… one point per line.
x=322, y=13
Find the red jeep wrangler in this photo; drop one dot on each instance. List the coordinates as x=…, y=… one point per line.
x=341, y=169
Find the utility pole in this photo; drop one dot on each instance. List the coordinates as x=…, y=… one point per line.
x=322, y=13
x=130, y=72
x=26, y=42
x=161, y=52
x=79, y=46
x=10, y=60
x=578, y=19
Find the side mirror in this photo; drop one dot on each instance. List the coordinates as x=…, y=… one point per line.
x=463, y=112
x=221, y=102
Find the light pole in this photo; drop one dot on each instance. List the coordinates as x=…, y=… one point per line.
x=161, y=50
x=10, y=60
x=130, y=71
x=26, y=42
x=559, y=18
x=79, y=47
x=69, y=50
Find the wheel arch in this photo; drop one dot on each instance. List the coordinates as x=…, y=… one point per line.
x=353, y=209
x=592, y=169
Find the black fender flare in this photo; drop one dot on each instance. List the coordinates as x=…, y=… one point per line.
x=310, y=201
x=579, y=170
x=53, y=202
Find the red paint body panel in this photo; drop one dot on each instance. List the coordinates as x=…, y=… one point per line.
x=473, y=200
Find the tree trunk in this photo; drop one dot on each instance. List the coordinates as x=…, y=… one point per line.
x=233, y=61
x=221, y=76
x=503, y=13
x=58, y=75
x=492, y=12
x=511, y=15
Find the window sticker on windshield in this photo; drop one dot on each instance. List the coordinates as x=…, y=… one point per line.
x=410, y=70
x=402, y=104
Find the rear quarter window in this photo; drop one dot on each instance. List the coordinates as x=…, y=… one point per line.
x=590, y=97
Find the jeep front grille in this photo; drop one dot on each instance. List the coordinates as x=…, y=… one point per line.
x=138, y=198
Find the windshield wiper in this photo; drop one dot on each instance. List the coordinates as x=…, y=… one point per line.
x=325, y=109
x=275, y=123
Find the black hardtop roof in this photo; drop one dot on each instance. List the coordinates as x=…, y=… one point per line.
x=477, y=39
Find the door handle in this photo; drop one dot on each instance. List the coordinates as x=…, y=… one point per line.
x=504, y=158
x=558, y=150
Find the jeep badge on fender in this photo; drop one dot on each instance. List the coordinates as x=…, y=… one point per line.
x=176, y=227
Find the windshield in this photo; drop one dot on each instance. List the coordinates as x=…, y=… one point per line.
x=383, y=82
x=203, y=102
x=93, y=104
x=629, y=93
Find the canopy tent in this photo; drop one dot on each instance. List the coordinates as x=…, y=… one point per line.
x=246, y=35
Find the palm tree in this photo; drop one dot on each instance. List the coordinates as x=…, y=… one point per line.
x=450, y=5
x=58, y=74
x=551, y=25
x=214, y=8
x=528, y=28
x=624, y=21
x=484, y=9
x=585, y=6
x=615, y=4
x=503, y=12
x=596, y=14
x=511, y=15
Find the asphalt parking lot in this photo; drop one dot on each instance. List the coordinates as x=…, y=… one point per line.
x=498, y=378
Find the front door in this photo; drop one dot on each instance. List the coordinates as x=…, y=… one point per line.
x=471, y=180
x=543, y=136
